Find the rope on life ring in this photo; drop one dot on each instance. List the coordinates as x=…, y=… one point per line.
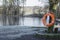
x=52, y=19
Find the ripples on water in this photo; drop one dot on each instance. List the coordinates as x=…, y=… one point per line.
x=12, y=32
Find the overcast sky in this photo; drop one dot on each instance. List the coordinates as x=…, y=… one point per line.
x=0, y=2
x=34, y=2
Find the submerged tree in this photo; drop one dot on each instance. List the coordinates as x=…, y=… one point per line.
x=4, y=11
x=23, y=3
x=11, y=11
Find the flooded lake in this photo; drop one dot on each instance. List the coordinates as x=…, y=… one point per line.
x=27, y=26
x=31, y=21
x=13, y=32
x=24, y=21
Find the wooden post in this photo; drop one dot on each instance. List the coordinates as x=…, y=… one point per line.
x=50, y=29
x=52, y=3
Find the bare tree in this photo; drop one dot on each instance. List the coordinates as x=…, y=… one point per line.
x=4, y=16
x=11, y=10
x=23, y=3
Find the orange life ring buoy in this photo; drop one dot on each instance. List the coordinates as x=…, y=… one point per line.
x=52, y=19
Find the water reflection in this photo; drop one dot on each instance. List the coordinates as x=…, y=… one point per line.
x=22, y=21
